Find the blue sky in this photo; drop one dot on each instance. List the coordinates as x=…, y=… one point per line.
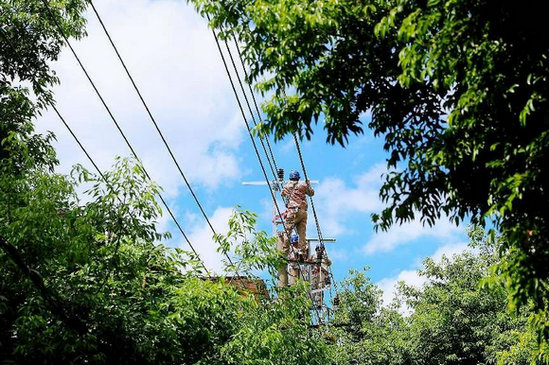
x=172, y=56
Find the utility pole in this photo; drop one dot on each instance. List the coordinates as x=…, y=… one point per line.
x=295, y=268
x=276, y=186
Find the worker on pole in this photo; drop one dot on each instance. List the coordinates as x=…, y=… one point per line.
x=294, y=269
x=295, y=194
x=320, y=275
x=284, y=246
x=290, y=251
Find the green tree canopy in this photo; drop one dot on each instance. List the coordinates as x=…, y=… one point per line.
x=458, y=320
x=454, y=318
x=458, y=90
x=84, y=278
x=87, y=281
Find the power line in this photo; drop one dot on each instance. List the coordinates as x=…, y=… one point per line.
x=273, y=171
x=307, y=178
x=110, y=187
x=251, y=138
x=273, y=164
x=257, y=109
x=320, y=237
x=64, y=122
x=153, y=120
x=116, y=124
x=151, y=116
x=255, y=101
x=244, y=118
x=259, y=116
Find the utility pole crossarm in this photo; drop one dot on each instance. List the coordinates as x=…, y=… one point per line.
x=323, y=239
x=275, y=182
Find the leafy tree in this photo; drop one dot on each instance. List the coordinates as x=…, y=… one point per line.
x=455, y=318
x=89, y=282
x=458, y=320
x=458, y=89
x=84, y=279
x=29, y=42
x=277, y=329
x=277, y=332
x=254, y=250
x=85, y=282
x=366, y=332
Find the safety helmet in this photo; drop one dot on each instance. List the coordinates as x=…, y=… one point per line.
x=294, y=238
x=294, y=175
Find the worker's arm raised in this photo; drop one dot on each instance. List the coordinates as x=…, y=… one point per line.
x=310, y=190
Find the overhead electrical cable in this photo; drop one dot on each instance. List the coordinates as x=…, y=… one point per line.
x=240, y=107
x=252, y=138
x=312, y=202
x=116, y=123
x=86, y=153
x=259, y=116
x=319, y=232
x=272, y=165
x=254, y=100
x=153, y=120
x=106, y=181
x=320, y=237
x=273, y=169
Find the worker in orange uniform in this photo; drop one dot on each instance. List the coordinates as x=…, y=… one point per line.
x=295, y=194
x=293, y=268
x=320, y=275
x=287, y=249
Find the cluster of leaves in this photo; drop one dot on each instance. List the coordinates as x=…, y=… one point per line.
x=89, y=282
x=30, y=38
x=458, y=89
x=84, y=278
x=455, y=318
x=85, y=282
x=254, y=250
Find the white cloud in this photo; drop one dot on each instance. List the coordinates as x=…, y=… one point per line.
x=337, y=201
x=388, y=285
x=450, y=250
x=201, y=237
x=411, y=231
x=412, y=277
x=173, y=58
x=338, y=254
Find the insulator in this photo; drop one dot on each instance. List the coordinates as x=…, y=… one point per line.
x=281, y=174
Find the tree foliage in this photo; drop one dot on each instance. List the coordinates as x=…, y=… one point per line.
x=88, y=281
x=84, y=278
x=458, y=89
x=455, y=318
x=254, y=250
